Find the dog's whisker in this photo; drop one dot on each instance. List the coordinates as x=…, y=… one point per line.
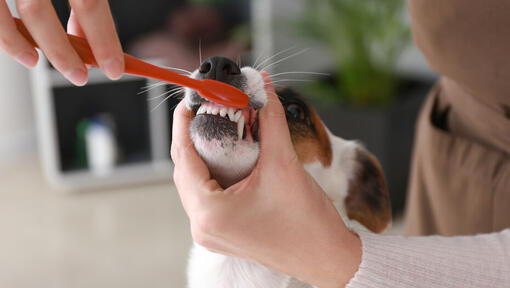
x=152, y=86
x=164, y=100
x=280, y=85
x=176, y=92
x=269, y=58
x=258, y=58
x=292, y=80
x=199, y=51
x=175, y=105
x=261, y=55
x=272, y=57
x=285, y=58
x=300, y=73
x=177, y=69
x=179, y=89
x=174, y=89
x=239, y=64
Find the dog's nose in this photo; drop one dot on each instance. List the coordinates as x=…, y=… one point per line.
x=218, y=68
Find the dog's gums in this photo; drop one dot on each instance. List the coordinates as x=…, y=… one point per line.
x=241, y=120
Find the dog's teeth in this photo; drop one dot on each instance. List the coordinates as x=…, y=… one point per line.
x=209, y=109
x=240, y=128
x=231, y=114
x=223, y=112
x=214, y=110
x=238, y=115
x=201, y=110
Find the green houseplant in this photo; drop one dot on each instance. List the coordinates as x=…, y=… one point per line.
x=364, y=98
x=365, y=39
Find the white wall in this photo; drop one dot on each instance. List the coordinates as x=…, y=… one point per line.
x=17, y=129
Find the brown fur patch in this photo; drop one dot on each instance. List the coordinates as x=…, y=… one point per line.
x=368, y=201
x=313, y=144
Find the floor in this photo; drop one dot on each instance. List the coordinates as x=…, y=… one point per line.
x=129, y=237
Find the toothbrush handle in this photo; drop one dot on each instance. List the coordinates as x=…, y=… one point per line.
x=138, y=67
x=79, y=44
x=132, y=65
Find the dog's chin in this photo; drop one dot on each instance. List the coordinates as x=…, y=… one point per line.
x=228, y=158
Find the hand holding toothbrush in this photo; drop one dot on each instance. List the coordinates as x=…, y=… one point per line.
x=89, y=19
x=212, y=90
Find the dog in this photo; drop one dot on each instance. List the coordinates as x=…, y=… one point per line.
x=227, y=140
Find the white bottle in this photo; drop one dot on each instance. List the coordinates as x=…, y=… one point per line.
x=101, y=147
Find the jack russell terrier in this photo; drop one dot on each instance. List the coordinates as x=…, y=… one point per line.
x=227, y=140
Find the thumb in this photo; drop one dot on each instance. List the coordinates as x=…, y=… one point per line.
x=186, y=159
x=275, y=141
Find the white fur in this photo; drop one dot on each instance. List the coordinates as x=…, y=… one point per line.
x=211, y=270
x=188, y=91
x=254, y=85
x=230, y=163
x=334, y=180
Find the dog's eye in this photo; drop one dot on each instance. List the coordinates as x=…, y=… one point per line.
x=296, y=111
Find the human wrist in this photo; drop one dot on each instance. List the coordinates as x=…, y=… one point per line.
x=343, y=263
x=334, y=252
x=329, y=257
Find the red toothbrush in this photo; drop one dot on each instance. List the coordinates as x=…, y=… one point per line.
x=212, y=90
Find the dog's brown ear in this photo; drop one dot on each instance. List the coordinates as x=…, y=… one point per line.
x=368, y=201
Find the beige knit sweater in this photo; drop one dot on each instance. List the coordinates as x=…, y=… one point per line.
x=467, y=42
x=434, y=261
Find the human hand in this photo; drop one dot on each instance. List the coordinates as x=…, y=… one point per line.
x=89, y=19
x=278, y=216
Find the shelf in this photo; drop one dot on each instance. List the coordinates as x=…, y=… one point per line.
x=121, y=175
x=143, y=137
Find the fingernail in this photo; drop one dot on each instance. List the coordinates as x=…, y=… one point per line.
x=78, y=76
x=28, y=59
x=113, y=68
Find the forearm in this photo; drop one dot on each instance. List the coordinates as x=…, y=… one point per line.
x=469, y=261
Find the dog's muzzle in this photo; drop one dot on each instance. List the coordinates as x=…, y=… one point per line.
x=214, y=121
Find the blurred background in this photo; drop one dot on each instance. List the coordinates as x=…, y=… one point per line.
x=86, y=197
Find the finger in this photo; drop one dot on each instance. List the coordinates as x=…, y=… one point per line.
x=12, y=42
x=180, y=129
x=186, y=159
x=42, y=22
x=275, y=141
x=96, y=21
x=191, y=175
x=74, y=28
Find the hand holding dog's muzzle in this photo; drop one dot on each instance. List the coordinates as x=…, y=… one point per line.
x=277, y=216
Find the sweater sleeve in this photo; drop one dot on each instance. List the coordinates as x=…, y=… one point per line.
x=434, y=261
